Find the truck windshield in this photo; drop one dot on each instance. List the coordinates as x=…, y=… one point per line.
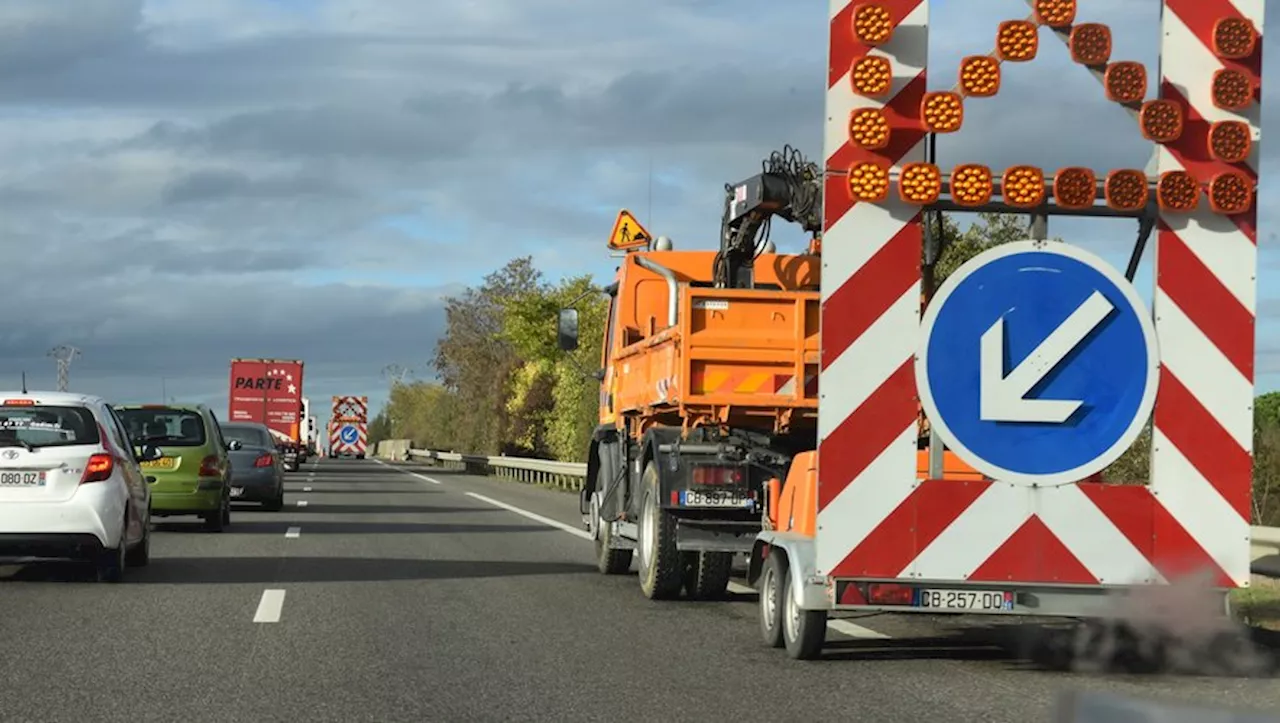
x=44, y=426
x=163, y=426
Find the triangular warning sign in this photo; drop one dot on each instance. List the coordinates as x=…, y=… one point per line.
x=628, y=233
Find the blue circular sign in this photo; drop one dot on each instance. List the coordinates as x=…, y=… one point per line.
x=1039, y=363
x=349, y=434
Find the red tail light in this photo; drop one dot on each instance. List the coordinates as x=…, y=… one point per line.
x=99, y=468
x=706, y=475
x=209, y=467
x=265, y=460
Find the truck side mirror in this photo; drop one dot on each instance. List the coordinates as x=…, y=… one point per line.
x=567, y=330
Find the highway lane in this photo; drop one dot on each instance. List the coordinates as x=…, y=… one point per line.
x=407, y=594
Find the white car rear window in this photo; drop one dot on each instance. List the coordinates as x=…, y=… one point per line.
x=46, y=426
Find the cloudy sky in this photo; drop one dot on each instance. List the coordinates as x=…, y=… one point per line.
x=190, y=180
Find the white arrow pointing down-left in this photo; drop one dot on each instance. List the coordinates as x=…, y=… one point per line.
x=1003, y=398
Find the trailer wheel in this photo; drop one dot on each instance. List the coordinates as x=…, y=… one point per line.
x=661, y=574
x=803, y=631
x=706, y=574
x=771, y=584
x=609, y=561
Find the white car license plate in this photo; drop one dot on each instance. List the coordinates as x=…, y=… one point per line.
x=237, y=491
x=966, y=600
x=22, y=479
x=714, y=498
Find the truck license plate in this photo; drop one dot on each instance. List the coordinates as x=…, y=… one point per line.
x=966, y=600
x=714, y=498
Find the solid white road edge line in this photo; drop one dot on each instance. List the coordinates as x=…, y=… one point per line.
x=269, y=607
x=843, y=627
x=539, y=518
x=422, y=477
x=293, y=532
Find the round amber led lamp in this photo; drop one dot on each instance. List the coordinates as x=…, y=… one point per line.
x=872, y=24
x=980, y=76
x=1177, y=191
x=1125, y=81
x=1161, y=121
x=868, y=182
x=942, y=112
x=1017, y=41
x=1230, y=193
x=869, y=128
x=1090, y=44
x=920, y=183
x=1075, y=188
x=1232, y=90
x=1126, y=190
x=1055, y=13
x=1230, y=141
x=972, y=185
x=1234, y=38
x=1023, y=186
x=872, y=76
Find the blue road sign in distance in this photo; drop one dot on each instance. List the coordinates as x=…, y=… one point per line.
x=349, y=434
x=1038, y=363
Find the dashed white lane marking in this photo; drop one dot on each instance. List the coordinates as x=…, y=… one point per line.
x=293, y=532
x=525, y=513
x=843, y=627
x=302, y=503
x=306, y=489
x=270, y=607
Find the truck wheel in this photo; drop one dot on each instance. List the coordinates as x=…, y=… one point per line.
x=661, y=574
x=609, y=561
x=803, y=631
x=775, y=572
x=706, y=574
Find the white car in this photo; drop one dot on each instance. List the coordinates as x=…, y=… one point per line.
x=70, y=484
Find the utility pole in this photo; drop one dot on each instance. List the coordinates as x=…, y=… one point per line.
x=396, y=373
x=63, y=355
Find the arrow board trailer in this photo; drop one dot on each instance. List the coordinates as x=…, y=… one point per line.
x=1036, y=363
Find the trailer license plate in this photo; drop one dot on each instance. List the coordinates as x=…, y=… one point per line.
x=966, y=600
x=715, y=498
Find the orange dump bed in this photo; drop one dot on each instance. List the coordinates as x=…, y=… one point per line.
x=729, y=349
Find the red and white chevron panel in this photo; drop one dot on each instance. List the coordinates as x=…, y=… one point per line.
x=350, y=408
x=875, y=520
x=1205, y=302
x=870, y=293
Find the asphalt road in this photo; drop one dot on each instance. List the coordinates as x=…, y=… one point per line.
x=391, y=593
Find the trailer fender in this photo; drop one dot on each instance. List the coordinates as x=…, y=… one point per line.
x=803, y=567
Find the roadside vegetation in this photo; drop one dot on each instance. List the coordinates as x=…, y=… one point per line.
x=502, y=386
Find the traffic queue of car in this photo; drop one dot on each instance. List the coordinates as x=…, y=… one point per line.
x=81, y=479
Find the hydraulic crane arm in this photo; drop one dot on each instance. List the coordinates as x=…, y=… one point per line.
x=789, y=187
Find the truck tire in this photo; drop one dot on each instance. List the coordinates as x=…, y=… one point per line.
x=609, y=561
x=661, y=574
x=803, y=631
x=706, y=574
x=771, y=584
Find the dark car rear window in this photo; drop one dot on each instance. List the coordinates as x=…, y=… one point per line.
x=46, y=426
x=164, y=427
x=248, y=436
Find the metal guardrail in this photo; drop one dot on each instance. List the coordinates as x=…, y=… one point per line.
x=1264, y=543
x=544, y=472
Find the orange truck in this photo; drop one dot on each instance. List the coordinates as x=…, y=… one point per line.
x=709, y=369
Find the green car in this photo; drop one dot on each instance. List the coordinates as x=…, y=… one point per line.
x=194, y=475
